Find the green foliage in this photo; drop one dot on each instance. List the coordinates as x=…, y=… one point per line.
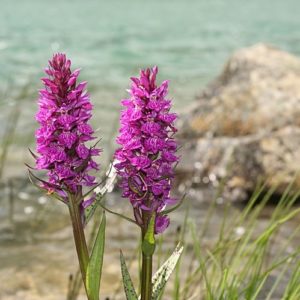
x=94, y=269
x=127, y=282
x=243, y=258
x=249, y=264
x=161, y=277
x=90, y=210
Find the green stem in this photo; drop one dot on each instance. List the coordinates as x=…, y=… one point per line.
x=79, y=237
x=146, y=276
x=146, y=286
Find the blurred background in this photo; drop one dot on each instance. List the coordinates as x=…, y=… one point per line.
x=190, y=41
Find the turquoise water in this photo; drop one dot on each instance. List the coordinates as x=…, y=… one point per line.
x=110, y=40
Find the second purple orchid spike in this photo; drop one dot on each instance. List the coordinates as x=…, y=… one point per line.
x=147, y=154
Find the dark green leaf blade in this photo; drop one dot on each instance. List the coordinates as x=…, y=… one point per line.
x=94, y=269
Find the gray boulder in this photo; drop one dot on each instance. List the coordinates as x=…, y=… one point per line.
x=246, y=124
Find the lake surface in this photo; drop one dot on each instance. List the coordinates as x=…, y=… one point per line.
x=111, y=40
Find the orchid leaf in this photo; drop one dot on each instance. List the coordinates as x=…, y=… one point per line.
x=33, y=154
x=43, y=181
x=117, y=214
x=161, y=277
x=93, y=189
x=128, y=285
x=167, y=211
x=52, y=195
x=29, y=167
x=90, y=210
x=94, y=269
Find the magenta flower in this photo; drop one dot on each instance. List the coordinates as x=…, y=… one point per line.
x=147, y=156
x=64, y=113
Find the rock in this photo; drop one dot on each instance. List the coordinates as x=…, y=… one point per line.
x=246, y=124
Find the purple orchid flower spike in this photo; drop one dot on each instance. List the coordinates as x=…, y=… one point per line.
x=147, y=154
x=146, y=161
x=64, y=113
